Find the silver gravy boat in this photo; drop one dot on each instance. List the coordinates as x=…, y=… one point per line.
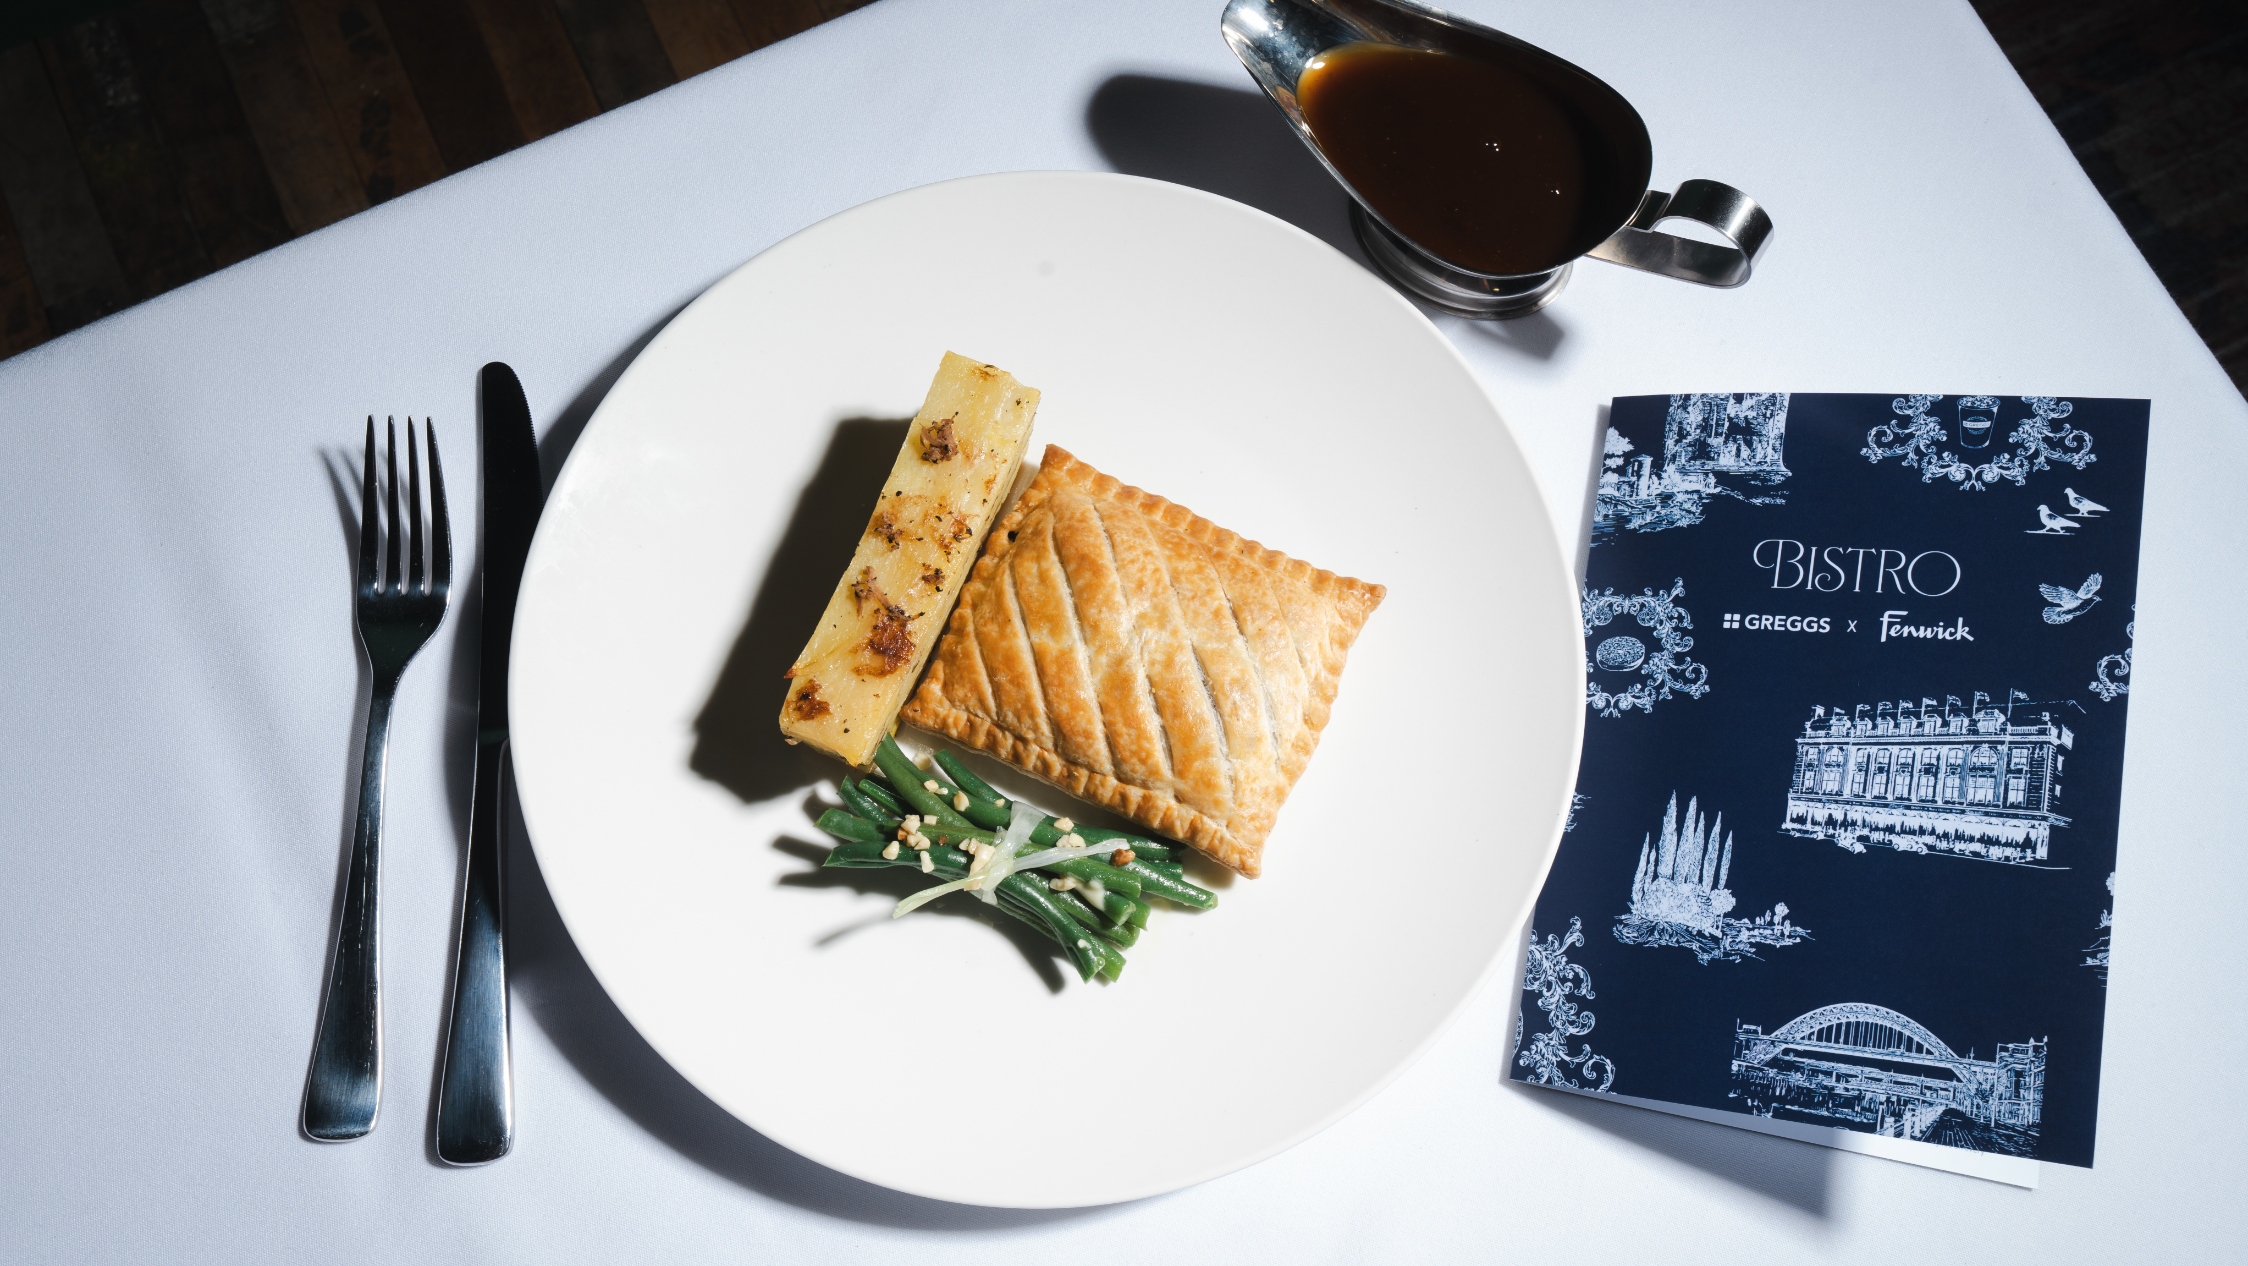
x=1277, y=39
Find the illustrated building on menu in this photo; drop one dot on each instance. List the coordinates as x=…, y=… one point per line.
x=1739, y=434
x=1915, y=778
x=1708, y=435
x=1872, y=1069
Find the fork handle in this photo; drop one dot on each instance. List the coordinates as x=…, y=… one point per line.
x=344, y=1089
x=475, y=1100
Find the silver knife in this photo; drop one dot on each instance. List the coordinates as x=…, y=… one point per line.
x=475, y=1093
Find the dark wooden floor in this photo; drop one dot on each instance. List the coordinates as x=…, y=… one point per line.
x=153, y=142
x=2152, y=96
x=159, y=140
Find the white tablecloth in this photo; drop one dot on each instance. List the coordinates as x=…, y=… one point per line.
x=177, y=697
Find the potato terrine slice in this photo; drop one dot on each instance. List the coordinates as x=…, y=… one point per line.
x=948, y=484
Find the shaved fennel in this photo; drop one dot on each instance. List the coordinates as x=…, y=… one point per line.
x=1030, y=861
x=998, y=862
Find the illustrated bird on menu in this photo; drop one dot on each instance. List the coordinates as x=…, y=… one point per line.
x=2082, y=507
x=2070, y=603
x=2055, y=525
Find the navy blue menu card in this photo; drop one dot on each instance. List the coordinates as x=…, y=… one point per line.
x=1843, y=847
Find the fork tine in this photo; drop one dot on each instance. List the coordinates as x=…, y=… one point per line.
x=440, y=533
x=368, y=532
x=413, y=512
x=390, y=508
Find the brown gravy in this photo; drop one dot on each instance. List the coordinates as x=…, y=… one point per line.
x=1475, y=161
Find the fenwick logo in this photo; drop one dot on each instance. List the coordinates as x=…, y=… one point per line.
x=1893, y=625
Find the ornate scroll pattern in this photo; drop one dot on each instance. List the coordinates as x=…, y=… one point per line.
x=1550, y=975
x=2110, y=667
x=1662, y=673
x=2039, y=441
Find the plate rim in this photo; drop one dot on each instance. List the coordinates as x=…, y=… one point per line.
x=1505, y=949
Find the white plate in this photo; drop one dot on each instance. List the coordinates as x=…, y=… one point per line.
x=1188, y=345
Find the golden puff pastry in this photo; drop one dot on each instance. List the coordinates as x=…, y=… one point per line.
x=1145, y=659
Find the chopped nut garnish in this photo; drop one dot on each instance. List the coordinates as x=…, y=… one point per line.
x=931, y=784
x=927, y=866
x=1122, y=857
x=890, y=851
x=1064, y=825
x=1069, y=841
x=960, y=801
x=937, y=444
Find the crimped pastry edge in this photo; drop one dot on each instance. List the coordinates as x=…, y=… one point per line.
x=931, y=709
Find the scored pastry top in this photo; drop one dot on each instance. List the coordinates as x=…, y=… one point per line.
x=1141, y=657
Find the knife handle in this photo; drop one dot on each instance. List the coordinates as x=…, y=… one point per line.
x=475, y=1093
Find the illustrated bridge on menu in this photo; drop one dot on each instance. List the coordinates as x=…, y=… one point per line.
x=1868, y=1068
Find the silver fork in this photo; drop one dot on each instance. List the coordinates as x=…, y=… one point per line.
x=397, y=611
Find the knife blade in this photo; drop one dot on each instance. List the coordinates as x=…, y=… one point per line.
x=475, y=1093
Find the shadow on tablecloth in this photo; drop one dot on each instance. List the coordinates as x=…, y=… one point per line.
x=553, y=984
x=1799, y=1175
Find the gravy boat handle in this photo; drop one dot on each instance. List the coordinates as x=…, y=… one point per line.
x=1732, y=213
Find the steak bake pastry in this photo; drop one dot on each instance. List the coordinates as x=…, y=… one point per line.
x=1141, y=657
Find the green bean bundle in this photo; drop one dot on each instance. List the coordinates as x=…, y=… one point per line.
x=1092, y=908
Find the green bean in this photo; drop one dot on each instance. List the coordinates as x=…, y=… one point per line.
x=1118, y=882
x=1119, y=905
x=985, y=804
x=1117, y=930
x=875, y=790
x=1091, y=870
x=1154, y=883
x=951, y=863
x=1123, y=887
x=1140, y=845
x=988, y=808
x=846, y=826
x=856, y=855
x=903, y=776
x=1127, y=911
x=1090, y=954
x=1047, y=835
x=859, y=803
x=1084, y=869
x=965, y=778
